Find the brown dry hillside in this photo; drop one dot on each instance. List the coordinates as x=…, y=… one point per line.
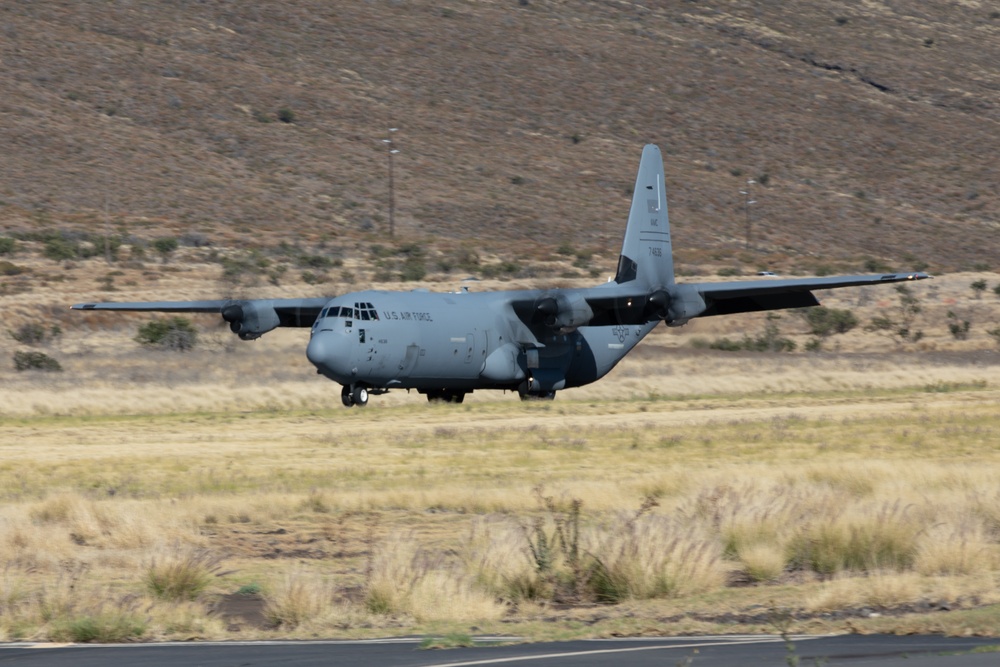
x=873, y=128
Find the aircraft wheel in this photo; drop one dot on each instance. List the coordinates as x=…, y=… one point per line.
x=536, y=395
x=360, y=396
x=346, y=398
x=434, y=395
x=457, y=397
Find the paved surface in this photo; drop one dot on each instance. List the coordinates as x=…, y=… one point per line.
x=722, y=651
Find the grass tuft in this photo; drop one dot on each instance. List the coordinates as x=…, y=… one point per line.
x=298, y=598
x=181, y=576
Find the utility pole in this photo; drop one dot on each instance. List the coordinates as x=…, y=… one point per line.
x=747, y=203
x=392, y=194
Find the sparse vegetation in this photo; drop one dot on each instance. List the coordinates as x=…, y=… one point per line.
x=166, y=246
x=995, y=333
x=60, y=249
x=35, y=361
x=33, y=333
x=181, y=576
x=104, y=626
x=11, y=269
x=170, y=333
x=863, y=530
x=900, y=326
x=8, y=246
x=298, y=598
x=769, y=340
x=958, y=327
x=413, y=269
x=824, y=322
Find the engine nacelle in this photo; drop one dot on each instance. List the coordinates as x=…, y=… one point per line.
x=657, y=305
x=250, y=319
x=684, y=303
x=563, y=312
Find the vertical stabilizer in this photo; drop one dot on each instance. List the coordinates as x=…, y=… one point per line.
x=646, y=251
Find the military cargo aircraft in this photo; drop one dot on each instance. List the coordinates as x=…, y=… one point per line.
x=534, y=342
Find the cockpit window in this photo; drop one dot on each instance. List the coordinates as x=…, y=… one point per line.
x=365, y=311
x=361, y=311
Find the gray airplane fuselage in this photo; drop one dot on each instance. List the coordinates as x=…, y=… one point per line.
x=537, y=342
x=458, y=341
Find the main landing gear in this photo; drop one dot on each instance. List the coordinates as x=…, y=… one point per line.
x=356, y=395
x=445, y=395
x=536, y=395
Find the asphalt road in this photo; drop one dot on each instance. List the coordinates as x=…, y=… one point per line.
x=721, y=651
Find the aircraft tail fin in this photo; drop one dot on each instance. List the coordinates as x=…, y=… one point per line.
x=647, y=255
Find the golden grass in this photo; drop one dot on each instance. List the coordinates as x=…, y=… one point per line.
x=298, y=598
x=870, y=494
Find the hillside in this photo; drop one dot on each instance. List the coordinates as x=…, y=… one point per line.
x=871, y=128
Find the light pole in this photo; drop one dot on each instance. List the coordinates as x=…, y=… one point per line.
x=747, y=203
x=392, y=195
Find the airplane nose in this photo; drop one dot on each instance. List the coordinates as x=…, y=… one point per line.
x=319, y=350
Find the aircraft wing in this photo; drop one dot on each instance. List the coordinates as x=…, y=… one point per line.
x=611, y=303
x=250, y=318
x=756, y=295
x=157, y=306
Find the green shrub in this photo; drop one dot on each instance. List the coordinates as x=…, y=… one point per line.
x=165, y=245
x=825, y=322
x=286, y=115
x=413, y=269
x=7, y=245
x=34, y=333
x=314, y=261
x=873, y=265
x=35, y=361
x=172, y=333
x=726, y=345
x=252, y=588
x=104, y=627
x=59, y=249
x=770, y=340
x=958, y=327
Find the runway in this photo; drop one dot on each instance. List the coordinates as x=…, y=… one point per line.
x=704, y=651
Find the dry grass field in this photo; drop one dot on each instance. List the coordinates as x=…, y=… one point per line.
x=224, y=493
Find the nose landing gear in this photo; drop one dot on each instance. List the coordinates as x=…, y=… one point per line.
x=356, y=395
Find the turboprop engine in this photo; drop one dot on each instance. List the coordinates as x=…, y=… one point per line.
x=681, y=304
x=564, y=312
x=250, y=319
